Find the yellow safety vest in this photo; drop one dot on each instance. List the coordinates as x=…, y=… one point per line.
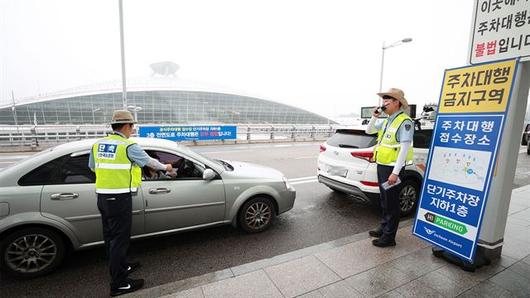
x=387, y=150
x=115, y=172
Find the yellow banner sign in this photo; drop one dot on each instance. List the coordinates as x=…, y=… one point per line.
x=477, y=89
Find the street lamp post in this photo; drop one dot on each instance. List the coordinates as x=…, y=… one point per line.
x=14, y=109
x=93, y=114
x=123, y=78
x=135, y=110
x=383, y=48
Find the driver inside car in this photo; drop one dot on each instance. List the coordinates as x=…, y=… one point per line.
x=152, y=174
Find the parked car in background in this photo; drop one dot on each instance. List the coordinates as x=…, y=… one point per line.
x=346, y=165
x=48, y=202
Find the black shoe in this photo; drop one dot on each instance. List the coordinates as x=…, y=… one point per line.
x=128, y=286
x=376, y=233
x=383, y=243
x=131, y=267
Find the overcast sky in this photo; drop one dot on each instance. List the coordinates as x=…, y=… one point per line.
x=320, y=55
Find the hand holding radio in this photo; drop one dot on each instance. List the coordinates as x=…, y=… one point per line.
x=378, y=110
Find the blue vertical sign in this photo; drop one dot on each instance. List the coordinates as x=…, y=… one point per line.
x=471, y=112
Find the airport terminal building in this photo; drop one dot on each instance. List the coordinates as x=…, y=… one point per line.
x=155, y=100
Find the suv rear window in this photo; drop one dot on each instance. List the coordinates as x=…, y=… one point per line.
x=422, y=138
x=347, y=138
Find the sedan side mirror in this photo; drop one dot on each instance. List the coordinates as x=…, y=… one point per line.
x=208, y=174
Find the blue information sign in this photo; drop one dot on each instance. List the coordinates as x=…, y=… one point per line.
x=189, y=133
x=471, y=113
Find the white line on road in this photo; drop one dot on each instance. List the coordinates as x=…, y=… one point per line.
x=13, y=157
x=302, y=178
x=226, y=151
x=302, y=182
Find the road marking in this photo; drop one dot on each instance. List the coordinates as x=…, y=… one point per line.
x=13, y=157
x=302, y=178
x=226, y=151
x=302, y=182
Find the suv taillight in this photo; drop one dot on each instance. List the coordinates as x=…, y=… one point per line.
x=322, y=148
x=366, y=155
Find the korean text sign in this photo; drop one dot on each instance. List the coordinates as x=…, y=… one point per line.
x=473, y=105
x=190, y=133
x=501, y=30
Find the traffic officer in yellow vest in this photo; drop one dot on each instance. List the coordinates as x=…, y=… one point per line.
x=117, y=162
x=392, y=152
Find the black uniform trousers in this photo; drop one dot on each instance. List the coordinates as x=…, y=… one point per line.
x=116, y=217
x=391, y=212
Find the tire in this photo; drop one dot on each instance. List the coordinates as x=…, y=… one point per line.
x=528, y=150
x=256, y=215
x=408, y=197
x=31, y=252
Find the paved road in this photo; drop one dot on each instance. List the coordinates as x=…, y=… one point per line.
x=318, y=216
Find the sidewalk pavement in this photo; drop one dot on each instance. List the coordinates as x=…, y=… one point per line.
x=352, y=267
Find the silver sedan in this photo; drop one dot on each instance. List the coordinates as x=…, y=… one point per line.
x=48, y=202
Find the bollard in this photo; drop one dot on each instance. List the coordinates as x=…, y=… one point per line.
x=248, y=133
x=35, y=141
x=272, y=134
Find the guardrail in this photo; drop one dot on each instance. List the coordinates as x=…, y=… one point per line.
x=31, y=137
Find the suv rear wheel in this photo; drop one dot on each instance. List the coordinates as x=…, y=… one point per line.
x=408, y=197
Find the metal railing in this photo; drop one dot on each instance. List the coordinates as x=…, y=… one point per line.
x=31, y=137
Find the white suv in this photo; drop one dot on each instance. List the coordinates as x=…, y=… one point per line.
x=346, y=165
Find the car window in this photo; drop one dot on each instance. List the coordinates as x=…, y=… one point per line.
x=186, y=169
x=75, y=170
x=345, y=138
x=422, y=138
x=46, y=174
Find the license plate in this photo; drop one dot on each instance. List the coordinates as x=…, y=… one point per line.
x=341, y=172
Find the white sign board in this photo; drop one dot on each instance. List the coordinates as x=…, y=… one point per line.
x=501, y=30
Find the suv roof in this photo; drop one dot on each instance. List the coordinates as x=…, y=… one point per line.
x=356, y=137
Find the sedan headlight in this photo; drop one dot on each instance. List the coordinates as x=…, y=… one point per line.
x=286, y=181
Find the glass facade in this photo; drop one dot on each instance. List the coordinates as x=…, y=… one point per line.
x=159, y=107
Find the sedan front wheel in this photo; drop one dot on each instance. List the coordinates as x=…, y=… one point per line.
x=256, y=215
x=31, y=252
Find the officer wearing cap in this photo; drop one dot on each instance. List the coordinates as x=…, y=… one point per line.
x=117, y=162
x=392, y=152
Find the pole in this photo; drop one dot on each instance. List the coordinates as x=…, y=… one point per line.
x=14, y=109
x=491, y=237
x=382, y=67
x=123, y=78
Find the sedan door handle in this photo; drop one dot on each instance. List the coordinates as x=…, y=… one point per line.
x=64, y=196
x=155, y=191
